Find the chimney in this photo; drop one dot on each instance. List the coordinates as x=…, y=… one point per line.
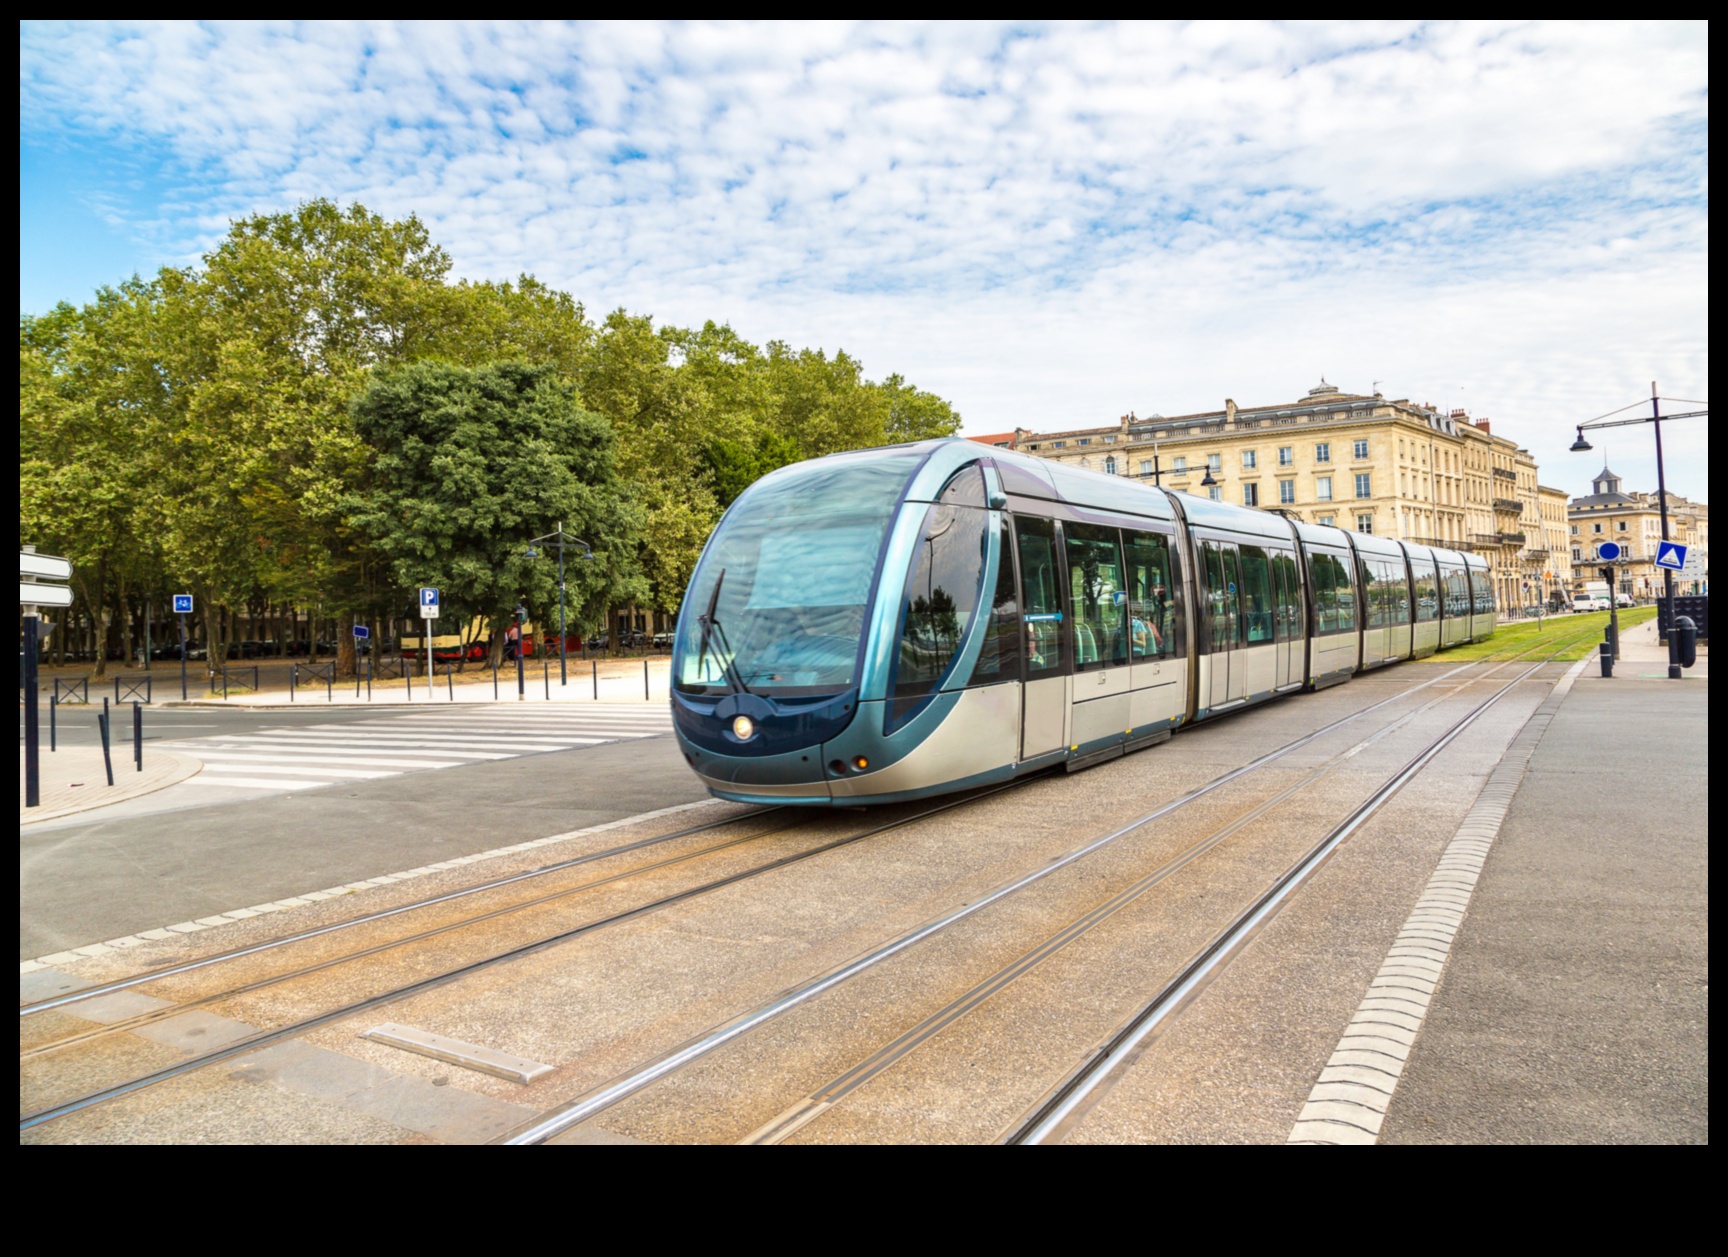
x=1229, y=413
x=1020, y=434
x=1483, y=424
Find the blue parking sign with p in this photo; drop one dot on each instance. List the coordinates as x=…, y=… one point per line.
x=182, y=604
x=428, y=604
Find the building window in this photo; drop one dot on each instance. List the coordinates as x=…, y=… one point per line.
x=1250, y=495
x=1595, y=527
x=1361, y=449
x=1110, y=465
x=1215, y=462
x=1286, y=492
x=1145, y=466
x=1362, y=489
x=1323, y=452
x=1085, y=440
x=1574, y=530
x=1323, y=488
x=1286, y=456
x=1577, y=554
x=1365, y=524
x=1215, y=493
x=1250, y=460
x=1621, y=526
x=1325, y=519
x=1056, y=445
x=1109, y=440
x=1179, y=464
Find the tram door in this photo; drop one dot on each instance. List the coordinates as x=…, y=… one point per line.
x=1287, y=629
x=1228, y=679
x=1044, y=697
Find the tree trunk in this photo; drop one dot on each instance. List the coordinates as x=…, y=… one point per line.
x=345, y=656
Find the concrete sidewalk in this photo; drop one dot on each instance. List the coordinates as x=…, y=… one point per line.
x=73, y=778
x=1575, y=1005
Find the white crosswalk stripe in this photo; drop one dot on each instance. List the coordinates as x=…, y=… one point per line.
x=307, y=756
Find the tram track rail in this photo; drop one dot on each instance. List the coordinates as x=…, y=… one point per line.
x=1066, y=1105
x=621, y=1087
x=305, y=1025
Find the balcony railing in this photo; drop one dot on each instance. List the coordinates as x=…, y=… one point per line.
x=1509, y=504
x=1503, y=474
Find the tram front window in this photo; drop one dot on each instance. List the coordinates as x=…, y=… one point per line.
x=792, y=563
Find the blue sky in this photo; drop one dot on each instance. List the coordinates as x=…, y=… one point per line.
x=1049, y=225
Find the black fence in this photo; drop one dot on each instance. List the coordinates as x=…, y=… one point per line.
x=75, y=691
x=133, y=689
x=1697, y=606
x=225, y=679
x=302, y=675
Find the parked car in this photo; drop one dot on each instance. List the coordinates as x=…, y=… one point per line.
x=663, y=640
x=600, y=641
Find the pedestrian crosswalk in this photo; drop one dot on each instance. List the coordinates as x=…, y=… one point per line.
x=303, y=757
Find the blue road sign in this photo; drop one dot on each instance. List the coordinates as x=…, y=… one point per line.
x=1671, y=554
x=428, y=604
x=182, y=604
x=1608, y=551
x=362, y=632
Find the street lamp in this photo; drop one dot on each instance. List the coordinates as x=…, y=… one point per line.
x=1656, y=416
x=557, y=535
x=1206, y=481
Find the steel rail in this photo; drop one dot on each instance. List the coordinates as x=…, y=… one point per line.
x=1066, y=1104
x=169, y=971
x=819, y=1101
x=264, y=1038
x=583, y=1107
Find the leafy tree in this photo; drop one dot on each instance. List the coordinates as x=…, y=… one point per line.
x=470, y=464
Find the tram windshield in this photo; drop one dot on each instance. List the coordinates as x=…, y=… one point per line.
x=792, y=563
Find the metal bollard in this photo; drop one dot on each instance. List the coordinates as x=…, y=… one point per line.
x=53, y=710
x=546, y=671
x=293, y=672
x=644, y=680
x=494, y=681
x=1607, y=659
x=107, y=758
x=595, y=664
x=450, y=682
x=138, y=737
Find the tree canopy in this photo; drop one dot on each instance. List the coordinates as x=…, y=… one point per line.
x=317, y=418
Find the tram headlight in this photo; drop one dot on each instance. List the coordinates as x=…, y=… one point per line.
x=743, y=728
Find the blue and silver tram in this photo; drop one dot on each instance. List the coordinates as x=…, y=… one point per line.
x=902, y=622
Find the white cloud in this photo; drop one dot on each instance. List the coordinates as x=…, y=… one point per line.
x=1047, y=224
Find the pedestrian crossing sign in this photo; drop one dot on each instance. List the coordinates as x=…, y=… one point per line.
x=1672, y=555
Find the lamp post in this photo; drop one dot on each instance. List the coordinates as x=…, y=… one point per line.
x=1656, y=416
x=521, y=679
x=558, y=537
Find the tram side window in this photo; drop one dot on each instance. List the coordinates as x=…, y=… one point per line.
x=999, y=659
x=1257, y=605
x=1040, y=595
x=1396, y=592
x=1484, y=592
x=1097, y=596
x=1223, y=622
x=1289, y=623
x=937, y=605
x=1334, y=599
x=1457, y=591
x=1427, y=591
x=1154, y=627
x=1371, y=604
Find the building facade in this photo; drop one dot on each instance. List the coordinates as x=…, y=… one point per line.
x=1633, y=521
x=1360, y=461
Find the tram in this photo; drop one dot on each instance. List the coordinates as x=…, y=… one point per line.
x=902, y=622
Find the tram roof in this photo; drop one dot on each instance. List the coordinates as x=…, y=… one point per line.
x=1029, y=477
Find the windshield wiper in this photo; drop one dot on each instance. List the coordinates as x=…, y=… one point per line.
x=710, y=623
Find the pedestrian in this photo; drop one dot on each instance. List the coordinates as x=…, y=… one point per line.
x=512, y=641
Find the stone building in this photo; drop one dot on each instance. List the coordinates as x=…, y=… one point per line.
x=1361, y=461
x=1633, y=521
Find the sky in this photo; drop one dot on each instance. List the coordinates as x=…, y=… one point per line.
x=1050, y=225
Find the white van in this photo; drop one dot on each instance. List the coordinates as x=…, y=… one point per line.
x=1590, y=602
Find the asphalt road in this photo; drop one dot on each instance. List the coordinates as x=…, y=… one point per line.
x=81, y=884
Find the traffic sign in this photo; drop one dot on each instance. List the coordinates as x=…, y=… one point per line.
x=182, y=604
x=428, y=604
x=46, y=566
x=361, y=632
x=33, y=595
x=1671, y=555
x=1608, y=551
